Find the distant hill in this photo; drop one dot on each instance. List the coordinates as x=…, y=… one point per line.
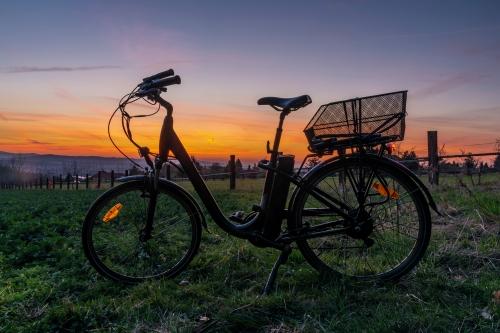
x=60, y=164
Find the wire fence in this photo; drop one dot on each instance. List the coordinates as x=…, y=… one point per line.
x=104, y=180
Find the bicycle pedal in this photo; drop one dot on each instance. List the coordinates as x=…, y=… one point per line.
x=238, y=216
x=256, y=208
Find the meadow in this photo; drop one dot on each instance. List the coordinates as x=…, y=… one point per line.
x=46, y=283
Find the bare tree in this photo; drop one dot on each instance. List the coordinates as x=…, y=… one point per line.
x=496, y=163
x=470, y=164
x=16, y=162
x=410, y=158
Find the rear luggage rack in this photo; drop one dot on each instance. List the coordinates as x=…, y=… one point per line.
x=367, y=120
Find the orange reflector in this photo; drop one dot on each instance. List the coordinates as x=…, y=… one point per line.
x=382, y=191
x=112, y=213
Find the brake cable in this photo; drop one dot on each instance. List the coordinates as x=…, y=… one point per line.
x=126, y=119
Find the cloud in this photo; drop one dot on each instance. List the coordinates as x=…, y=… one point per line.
x=447, y=84
x=36, y=69
x=36, y=142
x=446, y=33
x=27, y=116
x=458, y=123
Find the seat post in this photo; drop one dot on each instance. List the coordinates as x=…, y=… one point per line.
x=273, y=162
x=277, y=138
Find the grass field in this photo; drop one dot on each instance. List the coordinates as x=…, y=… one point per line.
x=47, y=284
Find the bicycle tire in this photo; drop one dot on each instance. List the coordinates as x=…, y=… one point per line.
x=338, y=266
x=114, y=248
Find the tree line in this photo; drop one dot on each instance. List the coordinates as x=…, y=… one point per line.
x=12, y=171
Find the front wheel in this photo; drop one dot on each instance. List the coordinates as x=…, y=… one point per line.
x=113, y=233
x=387, y=228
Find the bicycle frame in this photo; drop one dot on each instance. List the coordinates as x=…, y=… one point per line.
x=170, y=142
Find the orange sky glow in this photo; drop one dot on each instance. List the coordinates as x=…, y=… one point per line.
x=208, y=133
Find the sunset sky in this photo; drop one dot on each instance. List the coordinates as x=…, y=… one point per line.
x=64, y=65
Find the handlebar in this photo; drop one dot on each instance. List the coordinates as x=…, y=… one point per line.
x=154, y=87
x=156, y=84
x=161, y=75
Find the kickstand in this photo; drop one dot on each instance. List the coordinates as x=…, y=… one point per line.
x=272, y=276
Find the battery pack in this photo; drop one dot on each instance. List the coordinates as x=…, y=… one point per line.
x=277, y=200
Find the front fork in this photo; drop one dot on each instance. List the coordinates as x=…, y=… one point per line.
x=151, y=179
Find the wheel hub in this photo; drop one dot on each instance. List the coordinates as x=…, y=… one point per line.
x=362, y=224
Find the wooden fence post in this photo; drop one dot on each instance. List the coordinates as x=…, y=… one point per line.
x=87, y=181
x=47, y=183
x=76, y=181
x=60, y=181
x=432, y=150
x=112, y=178
x=98, y=179
x=41, y=182
x=232, y=172
x=68, y=177
x=53, y=182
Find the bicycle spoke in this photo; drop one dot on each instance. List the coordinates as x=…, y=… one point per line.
x=391, y=211
x=118, y=246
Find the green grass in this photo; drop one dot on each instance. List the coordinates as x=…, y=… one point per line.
x=47, y=284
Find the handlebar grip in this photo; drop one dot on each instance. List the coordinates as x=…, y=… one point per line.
x=161, y=75
x=163, y=82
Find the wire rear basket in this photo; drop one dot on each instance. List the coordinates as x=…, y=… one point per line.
x=366, y=120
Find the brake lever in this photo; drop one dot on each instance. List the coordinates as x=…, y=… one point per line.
x=150, y=92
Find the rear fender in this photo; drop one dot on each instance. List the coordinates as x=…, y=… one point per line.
x=367, y=159
x=419, y=182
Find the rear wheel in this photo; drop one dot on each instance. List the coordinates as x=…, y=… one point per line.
x=385, y=235
x=113, y=233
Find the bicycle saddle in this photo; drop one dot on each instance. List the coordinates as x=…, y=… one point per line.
x=281, y=104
